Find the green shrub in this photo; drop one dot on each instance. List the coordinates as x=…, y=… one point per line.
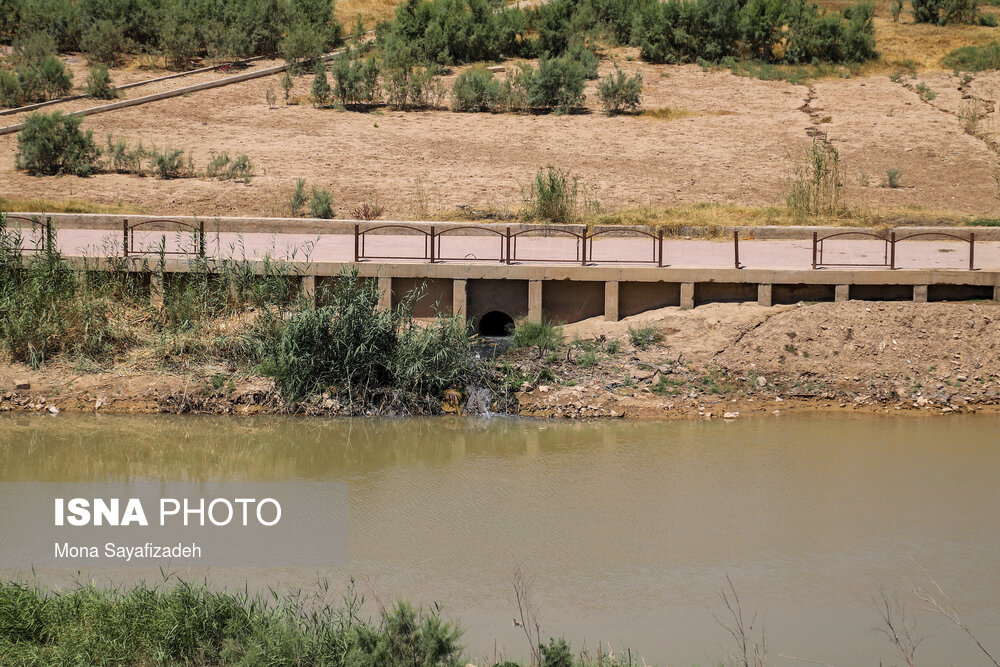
x=224, y=168
x=795, y=32
x=99, y=84
x=179, y=41
x=644, y=335
x=121, y=159
x=556, y=653
x=103, y=43
x=544, y=336
x=453, y=32
x=556, y=84
x=476, y=90
x=321, y=203
x=320, y=87
x=974, y=58
x=892, y=177
x=361, y=351
x=943, y=12
x=552, y=196
x=925, y=92
x=51, y=144
x=169, y=164
x=584, y=56
x=620, y=93
x=299, y=197
x=303, y=43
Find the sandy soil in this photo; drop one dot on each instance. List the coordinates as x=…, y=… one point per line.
x=935, y=358
x=742, y=145
x=745, y=359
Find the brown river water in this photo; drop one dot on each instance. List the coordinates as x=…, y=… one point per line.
x=626, y=531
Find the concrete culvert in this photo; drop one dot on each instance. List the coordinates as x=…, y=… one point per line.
x=495, y=323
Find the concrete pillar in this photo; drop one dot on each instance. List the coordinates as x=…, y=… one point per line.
x=385, y=293
x=459, y=297
x=156, y=290
x=996, y=293
x=843, y=293
x=611, y=301
x=687, y=295
x=764, y=294
x=920, y=293
x=307, y=288
x=534, y=300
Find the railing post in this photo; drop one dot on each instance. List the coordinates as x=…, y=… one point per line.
x=201, y=238
x=48, y=234
x=815, y=241
x=659, y=240
x=432, y=244
x=583, y=251
x=508, y=246
x=892, y=251
x=125, y=236
x=357, y=236
x=972, y=251
x=736, y=246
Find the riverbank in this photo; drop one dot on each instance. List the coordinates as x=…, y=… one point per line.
x=707, y=362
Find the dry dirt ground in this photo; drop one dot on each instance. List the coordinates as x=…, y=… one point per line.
x=742, y=144
x=712, y=360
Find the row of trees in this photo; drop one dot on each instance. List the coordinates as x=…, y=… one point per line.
x=181, y=29
x=451, y=32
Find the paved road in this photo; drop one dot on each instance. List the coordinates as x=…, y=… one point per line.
x=769, y=254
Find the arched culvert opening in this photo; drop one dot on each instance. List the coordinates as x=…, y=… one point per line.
x=495, y=323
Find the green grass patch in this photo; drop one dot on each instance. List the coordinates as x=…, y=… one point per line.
x=974, y=58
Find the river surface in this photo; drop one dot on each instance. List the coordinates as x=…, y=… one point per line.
x=626, y=531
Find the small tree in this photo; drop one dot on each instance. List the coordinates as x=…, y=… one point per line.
x=620, y=93
x=320, y=87
x=287, y=83
x=99, y=84
x=476, y=90
x=556, y=84
x=51, y=144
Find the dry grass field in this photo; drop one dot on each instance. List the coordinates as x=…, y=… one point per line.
x=711, y=146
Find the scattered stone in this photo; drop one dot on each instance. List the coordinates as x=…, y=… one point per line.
x=22, y=385
x=761, y=381
x=730, y=415
x=53, y=410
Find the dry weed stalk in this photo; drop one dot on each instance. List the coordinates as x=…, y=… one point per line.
x=752, y=653
x=940, y=603
x=896, y=627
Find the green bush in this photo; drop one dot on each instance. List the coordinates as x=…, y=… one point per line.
x=557, y=84
x=795, y=32
x=169, y=163
x=321, y=86
x=556, y=653
x=299, y=197
x=552, y=196
x=974, y=58
x=224, y=168
x=104, y=43
x=121, y=159
x=943, y=12
x=321, y=203
x=303, y=43
x=51, y=144
x=584, y=56
x=544, y=336
x=892, y=177
x=366, y=353
x=476, y=90
x=644, y=335
x=99, y=84
x=619, y=92
x=453, y=32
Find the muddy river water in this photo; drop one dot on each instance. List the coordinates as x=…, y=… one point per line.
x=625, y=531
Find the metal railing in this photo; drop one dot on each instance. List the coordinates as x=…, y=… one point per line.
x=889, y=252
x=44, y=241
x=197, y=231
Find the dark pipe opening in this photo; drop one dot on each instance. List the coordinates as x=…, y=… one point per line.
x=495, y=323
